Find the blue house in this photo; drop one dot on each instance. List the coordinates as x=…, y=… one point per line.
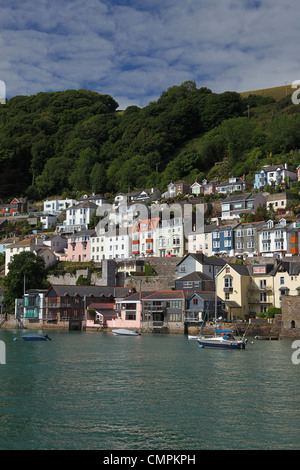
x=223, y=240
x=201, y=305
x=274, y=175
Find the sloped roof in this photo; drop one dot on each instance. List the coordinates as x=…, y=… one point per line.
x=195, y=276
x=203, y=259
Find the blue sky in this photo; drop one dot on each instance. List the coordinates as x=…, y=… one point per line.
x=134, y=50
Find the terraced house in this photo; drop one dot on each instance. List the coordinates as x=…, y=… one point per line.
x=246, y=238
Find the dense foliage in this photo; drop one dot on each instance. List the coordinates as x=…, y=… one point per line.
x=73, y=141
x=25, y=270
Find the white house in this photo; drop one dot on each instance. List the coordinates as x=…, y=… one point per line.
x=78, y=217
x=273, y=238
x=28, y=244
x=56, y=206
x=201, y=240
x=170, y=239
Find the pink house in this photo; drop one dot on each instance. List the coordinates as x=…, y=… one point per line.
x=125, y=313
x=79, y=246
x=206, y=187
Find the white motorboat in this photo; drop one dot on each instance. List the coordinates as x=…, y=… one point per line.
x=125, y=332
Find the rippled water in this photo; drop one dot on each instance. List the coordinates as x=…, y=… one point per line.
x=97, y=391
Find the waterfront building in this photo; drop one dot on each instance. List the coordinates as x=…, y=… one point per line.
x=67, y=305
x=33, y=305
x=261, y=288
x=232, y=287
x=286, y=282
x=164, y=311
x=200, y=306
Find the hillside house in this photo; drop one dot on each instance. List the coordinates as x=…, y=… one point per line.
x=28, y=244
x=246, y=203
x=273, y=238
x=143, y=237
x=278, y=201
x=179, y=187
x=234, y=184
x=198, y=262
x=223, y=240
x=246, y=238
x=200, y=240
x=78, y=217
x=274, y=175
x=79, y=246
x=195, y=281
x=57, y=206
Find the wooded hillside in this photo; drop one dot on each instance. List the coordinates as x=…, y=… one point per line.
x=66, y=142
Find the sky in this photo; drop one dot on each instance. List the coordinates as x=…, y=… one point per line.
x=134, y=50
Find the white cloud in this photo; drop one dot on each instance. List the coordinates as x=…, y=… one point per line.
x=134, y=50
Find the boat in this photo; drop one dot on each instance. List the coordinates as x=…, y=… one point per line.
x=271, y=338
x=124, y=332
x=34, y=337
x=222, y=339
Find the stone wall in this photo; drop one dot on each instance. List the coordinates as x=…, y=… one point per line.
x=290, y=307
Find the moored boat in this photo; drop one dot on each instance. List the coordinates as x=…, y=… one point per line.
x=34, y=337
x=222, y=340
x=125, y=332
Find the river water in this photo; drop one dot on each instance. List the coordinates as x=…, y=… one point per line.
x=94, y=391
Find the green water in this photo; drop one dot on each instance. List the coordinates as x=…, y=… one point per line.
x=97, y=391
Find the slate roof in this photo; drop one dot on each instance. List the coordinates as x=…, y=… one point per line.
x=195, y=276
x=206, y=260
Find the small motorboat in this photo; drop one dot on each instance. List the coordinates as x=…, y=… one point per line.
x=270, y=338
x=124, y=332
x=34, y=337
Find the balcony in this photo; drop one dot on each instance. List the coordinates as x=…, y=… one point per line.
x=259, y=288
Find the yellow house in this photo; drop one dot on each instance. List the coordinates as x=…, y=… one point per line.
x=286, y=280
x=232, y=283
x=261, y=288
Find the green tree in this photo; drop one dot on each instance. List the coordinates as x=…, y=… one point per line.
x=25, y=268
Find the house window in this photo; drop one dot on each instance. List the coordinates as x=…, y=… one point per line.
x=195, y=301
x=228, y=282
x=282, y=281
